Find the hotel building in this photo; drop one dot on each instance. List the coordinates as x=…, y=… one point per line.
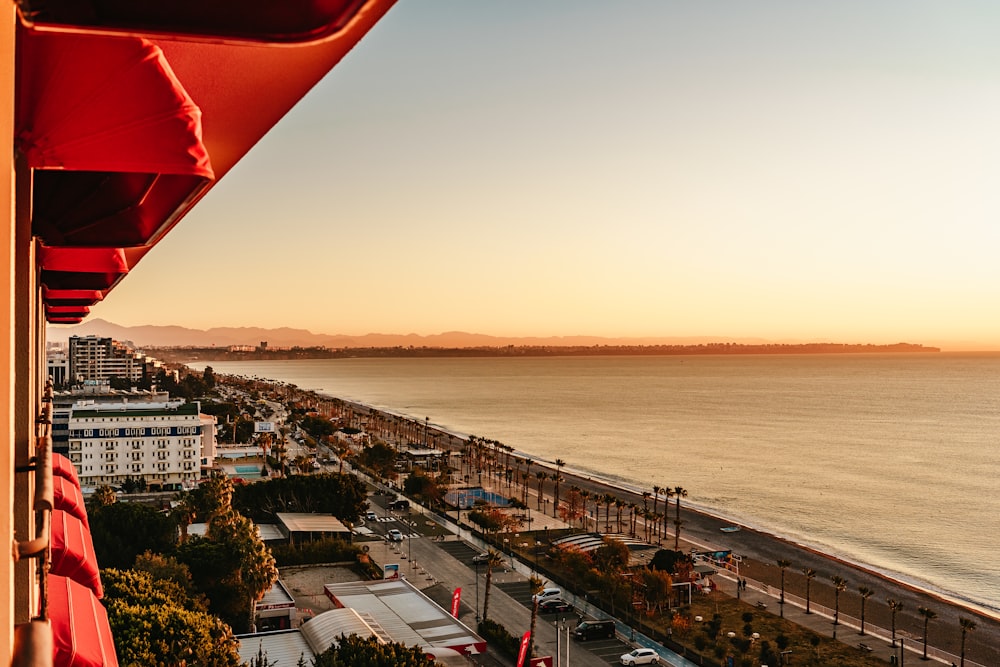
x=167, y=445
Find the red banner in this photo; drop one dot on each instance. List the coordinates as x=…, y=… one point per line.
x=456, y=599
x=525, y=641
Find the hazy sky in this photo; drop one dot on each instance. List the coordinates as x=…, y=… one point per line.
x=783, y=170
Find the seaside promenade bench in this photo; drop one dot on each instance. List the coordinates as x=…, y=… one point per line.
x=865, y=647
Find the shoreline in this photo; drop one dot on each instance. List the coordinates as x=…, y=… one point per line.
x=762, y=548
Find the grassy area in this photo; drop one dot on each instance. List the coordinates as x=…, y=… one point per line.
x=722, y=615
x=729, y=615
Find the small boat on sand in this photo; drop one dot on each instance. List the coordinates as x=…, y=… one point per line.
x=730, y=529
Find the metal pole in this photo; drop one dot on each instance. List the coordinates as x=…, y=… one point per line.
x=558, y=643
x=477, y=591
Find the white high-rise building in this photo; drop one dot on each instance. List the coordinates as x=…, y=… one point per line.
x=95, y=359
x=165, y=444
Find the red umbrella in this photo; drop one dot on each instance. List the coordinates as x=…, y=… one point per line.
x=80, y=630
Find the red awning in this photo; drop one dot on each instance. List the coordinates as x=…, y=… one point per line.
x=81, y=268
x=64, y=320
x=66, y=311
x=71, y=297
x=69, y=499
x=80, y=630
x=63, y=467
x=73, y=552
x=288, y=21
x=114, y=137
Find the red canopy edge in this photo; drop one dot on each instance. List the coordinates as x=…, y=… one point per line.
x=80, y=629
x=73, y=552
x=94, y=103
x=265, y=21
x=69, y=498
x=63, y=467
x=71, y=297
x=71, y=268
x=66, y=311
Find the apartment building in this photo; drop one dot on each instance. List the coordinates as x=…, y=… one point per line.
x=166, y=445
x=96, y=359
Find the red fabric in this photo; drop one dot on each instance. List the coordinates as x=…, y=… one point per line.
x=64, y=320
x=70, y=268
x=66, y=311
x=71, y=297
x=291, y=21
x=69, y=498
x=88, y=102
x=73, y=552
x=63, y=467
x=114, y=137
x=80, y=630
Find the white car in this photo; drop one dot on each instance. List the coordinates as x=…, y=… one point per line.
x=641, y=656
x=394, y=535
x=547, y=594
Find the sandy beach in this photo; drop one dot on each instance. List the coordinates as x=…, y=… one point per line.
x=760, y=551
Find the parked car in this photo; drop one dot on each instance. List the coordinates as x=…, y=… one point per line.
x=546, y=594
x=371, y=516
x=401, y=504
x=594, y=630
x=394, y=535
x=641, y=656
x=553, y=606
x=480, y=558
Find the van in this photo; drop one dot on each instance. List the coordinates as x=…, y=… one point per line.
x=401, y=504
x=594, y=630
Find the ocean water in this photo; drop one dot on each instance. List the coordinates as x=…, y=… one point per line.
x=891, y=461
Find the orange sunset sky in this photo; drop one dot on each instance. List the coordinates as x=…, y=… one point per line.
x=774, y=169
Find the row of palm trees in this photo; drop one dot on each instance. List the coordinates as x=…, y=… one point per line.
x=895, y=606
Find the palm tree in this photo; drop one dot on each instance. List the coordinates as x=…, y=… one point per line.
x=839, y=585
x=619, y=506
x=557, y=478
x=541, y=476
x=584, y=496
x=527, y=482
x=493, y=559
x=968, y=625
x=782, y=565
x=894, y=606
x=865, y=593
x=656, y=496
x=929, y=615
x=631, y=517
x=609, y=500
x=535, y=586
x=810, y=574
x=679, y=492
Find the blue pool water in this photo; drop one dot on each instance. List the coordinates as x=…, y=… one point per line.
x=466, y=498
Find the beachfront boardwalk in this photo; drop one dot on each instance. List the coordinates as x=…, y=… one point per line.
x=876, y=641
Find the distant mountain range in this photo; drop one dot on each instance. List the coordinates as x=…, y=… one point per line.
x=175, y=336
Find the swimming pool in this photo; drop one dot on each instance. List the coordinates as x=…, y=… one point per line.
x=466, y=498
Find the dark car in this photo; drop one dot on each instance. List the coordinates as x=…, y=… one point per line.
x=553, y=606
x=399, y=505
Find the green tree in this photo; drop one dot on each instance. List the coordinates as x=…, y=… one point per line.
x=558, y=479
x=810, y=574
x=929, y=615
x=679, y=492
x=154, y=622
x=122, y=531
x=865, y=593
x=782, y=565
x=353, y=651
x=493, y=560
x=535, y=586
x=839, y=585
x=612, y=556
x=968, y=625
x=894, y=607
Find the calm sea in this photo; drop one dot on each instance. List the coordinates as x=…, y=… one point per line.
x=886, y=460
